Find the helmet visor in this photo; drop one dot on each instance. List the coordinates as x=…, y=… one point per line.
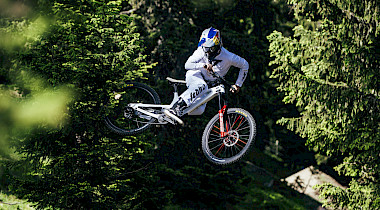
x=212, y=49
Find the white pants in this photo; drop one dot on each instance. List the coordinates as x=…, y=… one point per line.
x=196, y=88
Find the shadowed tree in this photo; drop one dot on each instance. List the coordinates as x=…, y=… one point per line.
x=330, y=69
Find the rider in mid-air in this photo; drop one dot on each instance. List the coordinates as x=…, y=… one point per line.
x=228, y=135
x=209, y=56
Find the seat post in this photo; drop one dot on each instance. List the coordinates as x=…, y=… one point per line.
x=175, y=85
x=175, y=93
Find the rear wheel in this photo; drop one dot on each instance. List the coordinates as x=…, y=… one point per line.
x=124, y=120
x=240, y=132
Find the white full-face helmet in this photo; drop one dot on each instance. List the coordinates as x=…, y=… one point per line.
x=211, y=42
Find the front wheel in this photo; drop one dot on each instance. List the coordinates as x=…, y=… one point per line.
x=240, y=132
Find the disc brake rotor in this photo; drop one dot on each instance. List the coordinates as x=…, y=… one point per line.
x=231, y=139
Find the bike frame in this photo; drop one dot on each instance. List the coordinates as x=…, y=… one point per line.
x=226, y=137
x=211, y=93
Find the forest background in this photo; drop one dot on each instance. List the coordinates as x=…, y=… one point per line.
x=312, y=88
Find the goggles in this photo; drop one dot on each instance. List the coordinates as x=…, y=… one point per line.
x=210, y=49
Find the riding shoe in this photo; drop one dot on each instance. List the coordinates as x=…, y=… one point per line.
x=178, y=107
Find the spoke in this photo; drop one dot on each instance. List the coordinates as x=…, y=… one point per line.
x=239, y=145
x=224, y=148
x=220, y=148
x=240, y=140
x=214, y=135
x=225, y=151
x=137, y=123
x=216, y=146
x=237, y=148
x=215, y=140
x=216, y=132
x=240, y=123
x=233, y=149
x=235, y=121
x=229, y=121
x=243, y=128
x=243, y=141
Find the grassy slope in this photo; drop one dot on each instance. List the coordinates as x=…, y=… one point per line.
x=10, y=202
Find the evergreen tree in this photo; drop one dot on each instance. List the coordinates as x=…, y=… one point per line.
x=91, y=49
x=329, y=68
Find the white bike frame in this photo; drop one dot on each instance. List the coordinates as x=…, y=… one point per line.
x=149, y=109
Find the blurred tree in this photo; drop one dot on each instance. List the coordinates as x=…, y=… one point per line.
x=26, y=100
x=89, y=48
x=330, y=69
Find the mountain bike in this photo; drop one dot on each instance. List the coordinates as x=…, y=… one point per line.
x=227, y=137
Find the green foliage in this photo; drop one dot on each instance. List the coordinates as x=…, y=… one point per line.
x=262, y=198
x=26, y=101
x=89, y=48
x=357, y=196
x=332, y=73
x=10, y=202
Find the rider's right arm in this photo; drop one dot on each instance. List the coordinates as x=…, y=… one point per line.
x=196, y=61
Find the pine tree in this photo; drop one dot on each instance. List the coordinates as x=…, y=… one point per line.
x=330, y=68
x=90, y=48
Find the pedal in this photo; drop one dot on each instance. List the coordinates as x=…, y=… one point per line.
x=172, y=116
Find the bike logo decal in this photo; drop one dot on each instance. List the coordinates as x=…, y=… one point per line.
x=129, y=85
x=196, y=92
x=242, y=113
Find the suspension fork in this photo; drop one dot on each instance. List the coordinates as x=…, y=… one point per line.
x=222, y=112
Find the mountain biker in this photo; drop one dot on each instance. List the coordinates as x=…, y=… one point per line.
x=209, y=56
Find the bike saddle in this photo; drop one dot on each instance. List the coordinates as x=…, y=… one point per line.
x=176, y=81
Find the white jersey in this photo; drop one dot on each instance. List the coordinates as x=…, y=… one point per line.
x=198, y=60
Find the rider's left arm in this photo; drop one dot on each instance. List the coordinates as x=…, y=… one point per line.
x=243, y=65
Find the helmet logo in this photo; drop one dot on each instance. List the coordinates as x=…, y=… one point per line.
x=216, y=38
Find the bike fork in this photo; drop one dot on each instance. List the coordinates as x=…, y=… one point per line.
x=221, y=121
x=221, y=112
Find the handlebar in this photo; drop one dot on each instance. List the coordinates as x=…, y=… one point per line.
x=216, y=75
x=220, y=78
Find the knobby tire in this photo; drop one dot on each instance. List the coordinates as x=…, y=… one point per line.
x=123, y=120
x=241, y=128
